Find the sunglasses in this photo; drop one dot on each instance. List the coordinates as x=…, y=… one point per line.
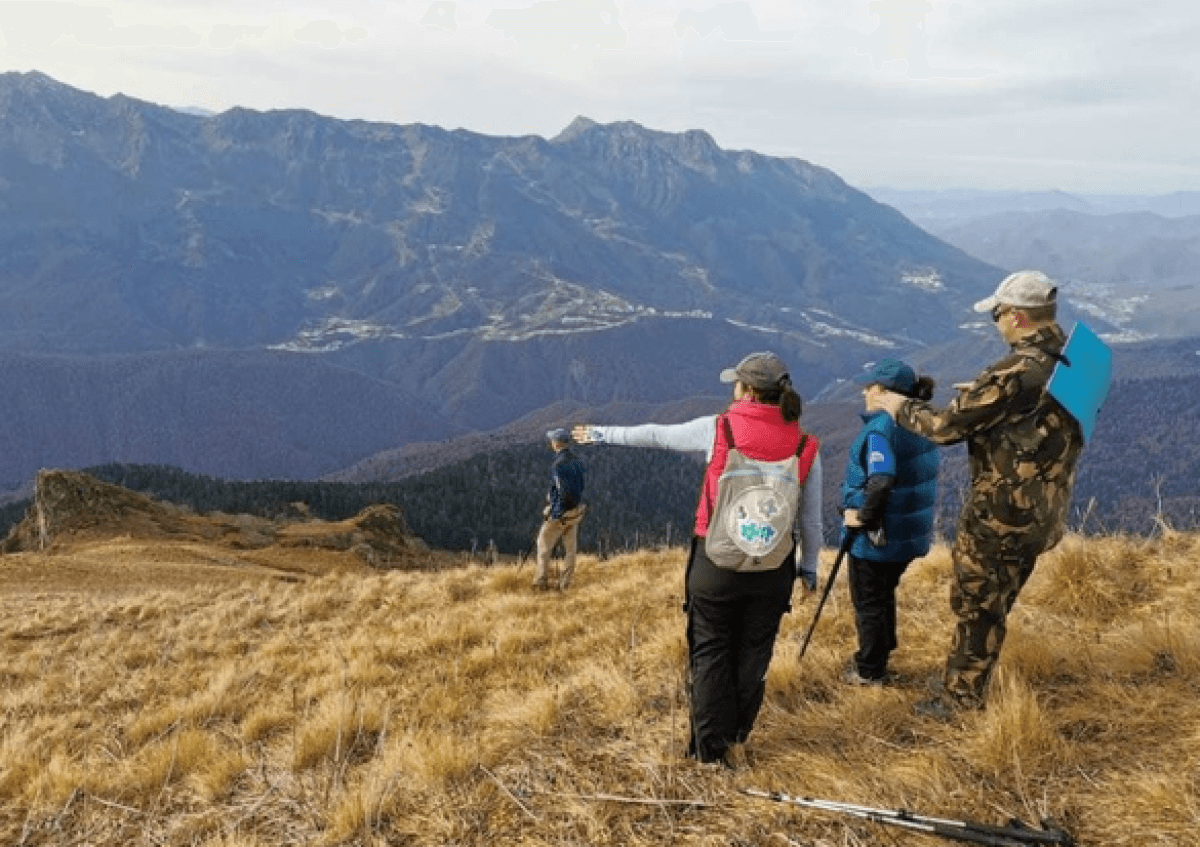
x=998, y=312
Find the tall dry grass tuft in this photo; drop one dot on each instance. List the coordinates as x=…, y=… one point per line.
x=1015, y=735
x=57, y=779
x=459, y=707
x=341, y=729
x=1096, y=578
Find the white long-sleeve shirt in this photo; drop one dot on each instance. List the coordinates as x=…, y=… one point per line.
x=697, y=436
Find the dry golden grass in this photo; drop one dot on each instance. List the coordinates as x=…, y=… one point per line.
x=153, y=695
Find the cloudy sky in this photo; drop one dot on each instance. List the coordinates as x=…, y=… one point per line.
x=1087, y=96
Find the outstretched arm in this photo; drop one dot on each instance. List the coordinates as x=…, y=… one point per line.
x=694, y=436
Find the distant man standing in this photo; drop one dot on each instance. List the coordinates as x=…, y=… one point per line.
x=564, y=511
x=1023, y=447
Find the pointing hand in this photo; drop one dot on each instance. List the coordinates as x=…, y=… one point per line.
x=586, y=434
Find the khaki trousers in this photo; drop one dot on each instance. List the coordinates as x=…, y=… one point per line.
x=565, y=529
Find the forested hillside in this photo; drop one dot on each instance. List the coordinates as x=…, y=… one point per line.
x=637, y=498
x=1142, y=464
x=1145, y=457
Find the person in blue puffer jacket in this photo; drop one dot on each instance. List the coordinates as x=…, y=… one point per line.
x=888, y=499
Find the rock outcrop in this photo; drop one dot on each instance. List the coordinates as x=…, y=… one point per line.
x=70, y=507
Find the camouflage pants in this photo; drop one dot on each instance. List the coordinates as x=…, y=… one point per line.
x=986, y=584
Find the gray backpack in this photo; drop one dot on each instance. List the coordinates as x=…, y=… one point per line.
x=751, y=525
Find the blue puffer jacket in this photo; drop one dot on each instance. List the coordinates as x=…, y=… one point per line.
x=908, y=519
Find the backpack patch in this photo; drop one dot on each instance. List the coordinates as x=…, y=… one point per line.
x=756, y=514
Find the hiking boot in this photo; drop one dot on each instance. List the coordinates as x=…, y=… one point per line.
x=539, y=585
x=936, y=708
x=851, y=676
x=725, y=760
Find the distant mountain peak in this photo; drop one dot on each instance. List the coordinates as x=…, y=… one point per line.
x=578, y=127
x=694, y=149
x=35, y=87
x=583, y=126
x=31, y=81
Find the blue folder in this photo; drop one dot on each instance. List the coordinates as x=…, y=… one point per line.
x=1082, y=377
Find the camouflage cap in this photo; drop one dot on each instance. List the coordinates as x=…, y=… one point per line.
x=1024, y=289
x=763, y=371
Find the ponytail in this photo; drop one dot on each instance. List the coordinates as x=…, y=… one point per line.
x=790, y=404
x=923, y=390
x=785, y=397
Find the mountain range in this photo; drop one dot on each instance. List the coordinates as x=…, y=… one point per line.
x=284, y=295
x=1133, y=262
x=935, y=210
x=413, y=283
x=298, y=232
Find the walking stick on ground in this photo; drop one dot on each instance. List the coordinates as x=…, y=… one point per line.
x=1016, y=834
x=833, y=572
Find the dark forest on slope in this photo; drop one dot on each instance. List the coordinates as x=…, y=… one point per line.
x=1142, y=464
x=637, y=498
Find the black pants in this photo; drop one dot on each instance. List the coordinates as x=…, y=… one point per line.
x=730, y=644
x=873, y=592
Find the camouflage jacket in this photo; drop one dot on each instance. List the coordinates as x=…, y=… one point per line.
x=1023, y=447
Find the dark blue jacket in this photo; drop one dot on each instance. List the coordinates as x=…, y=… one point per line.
x=566, y=484
x=908, y=517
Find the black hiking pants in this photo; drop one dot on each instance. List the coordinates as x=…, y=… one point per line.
x=873, y=592
x=731, y=638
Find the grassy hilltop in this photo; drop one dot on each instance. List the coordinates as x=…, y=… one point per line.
x=161, y=692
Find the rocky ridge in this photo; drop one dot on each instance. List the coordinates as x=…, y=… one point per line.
x=69, y=508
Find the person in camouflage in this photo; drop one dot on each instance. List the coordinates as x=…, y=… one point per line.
x=1023, y=447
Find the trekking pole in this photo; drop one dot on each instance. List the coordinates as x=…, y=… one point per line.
x=837, y=563
x=532, y=550
x=1016, y=834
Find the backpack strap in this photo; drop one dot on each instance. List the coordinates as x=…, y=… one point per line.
x=728, y=431
x=806, y=455
x=721, y=419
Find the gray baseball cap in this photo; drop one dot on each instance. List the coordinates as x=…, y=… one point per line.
x=1024, y=289
x=763, y=371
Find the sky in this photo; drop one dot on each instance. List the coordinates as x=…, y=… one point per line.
x=1085, y=96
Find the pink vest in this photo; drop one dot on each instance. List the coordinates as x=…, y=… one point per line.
x=761, y=433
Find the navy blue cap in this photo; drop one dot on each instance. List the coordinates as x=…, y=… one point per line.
x=559, y=434
x=892, y=374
